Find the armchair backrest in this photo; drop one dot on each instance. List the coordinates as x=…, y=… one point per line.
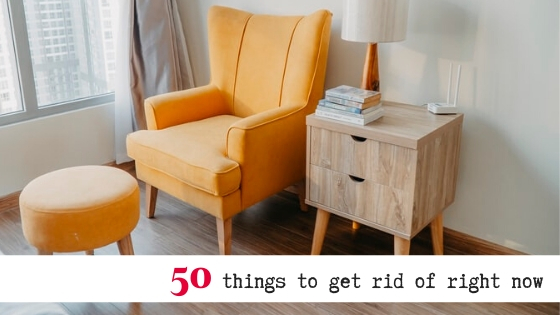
x=261, y=62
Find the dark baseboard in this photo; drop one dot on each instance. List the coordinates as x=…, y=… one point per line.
x=9, y=202
x=466, y=243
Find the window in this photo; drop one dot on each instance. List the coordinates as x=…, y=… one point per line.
x=33, y=83
x=8, y=101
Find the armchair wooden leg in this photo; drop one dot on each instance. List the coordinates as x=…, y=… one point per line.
x=301, y=194
x=224, y=235
x=436, y=227
x=355, y=225
x=151, y=197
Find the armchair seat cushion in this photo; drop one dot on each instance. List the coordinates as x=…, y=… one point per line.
x=194, y=153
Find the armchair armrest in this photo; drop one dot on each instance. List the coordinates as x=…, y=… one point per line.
x=270, y=148
x=174, y=108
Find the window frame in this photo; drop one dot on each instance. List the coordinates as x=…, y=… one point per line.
x=24, y=69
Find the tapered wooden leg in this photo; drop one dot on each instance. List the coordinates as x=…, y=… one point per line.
x=151, y=197
x=355, y=225
x=43, y=252
x=436, y=227
x=89, y=252
x=321, y=223
x=135, y=308
x=224, y=235
x=402, y=246
x=301, y=194
x=125, y=246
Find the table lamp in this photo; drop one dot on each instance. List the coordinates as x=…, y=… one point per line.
x=372, y=22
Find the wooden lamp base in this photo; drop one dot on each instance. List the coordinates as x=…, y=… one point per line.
x=370, y=76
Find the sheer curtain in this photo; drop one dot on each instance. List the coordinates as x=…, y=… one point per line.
x=152, y=59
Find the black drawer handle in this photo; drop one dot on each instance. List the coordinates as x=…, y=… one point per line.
x=358, y=139
x=356, y=179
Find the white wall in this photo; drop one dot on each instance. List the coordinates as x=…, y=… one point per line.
x=35, y=147
x=508, y=182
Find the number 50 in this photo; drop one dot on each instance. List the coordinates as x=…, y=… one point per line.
x=194, y=280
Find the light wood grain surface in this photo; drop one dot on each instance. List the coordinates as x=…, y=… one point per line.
x=396, y=174
x=404, y=125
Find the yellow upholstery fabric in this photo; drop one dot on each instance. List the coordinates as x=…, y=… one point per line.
x=169, y=109
x=79, y=208
x=220, y=207
x=224, y=146
x=194, y=153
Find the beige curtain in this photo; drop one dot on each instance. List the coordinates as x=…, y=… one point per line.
x=152, y=59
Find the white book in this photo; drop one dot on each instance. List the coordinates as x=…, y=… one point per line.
x=350, y=119
x=353, y=104
x=353, y=93
x=352, y=109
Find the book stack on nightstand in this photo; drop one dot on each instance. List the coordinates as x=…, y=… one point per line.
x=350, y=104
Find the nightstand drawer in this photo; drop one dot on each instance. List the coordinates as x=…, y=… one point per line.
x=361, y=197
x=341, y=152
x=383, y=163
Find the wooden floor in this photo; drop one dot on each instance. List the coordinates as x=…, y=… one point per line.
x=275, y=226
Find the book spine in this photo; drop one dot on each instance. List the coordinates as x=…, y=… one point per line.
x=336, y=111
x=345, y=108
x=340, y=117
x=369, y=103
x=350, y=97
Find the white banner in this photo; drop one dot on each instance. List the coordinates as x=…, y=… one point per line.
x=77, y=278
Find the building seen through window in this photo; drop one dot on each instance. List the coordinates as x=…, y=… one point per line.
x=70, y=49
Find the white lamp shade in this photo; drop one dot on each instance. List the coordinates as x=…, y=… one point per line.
x=374, y=21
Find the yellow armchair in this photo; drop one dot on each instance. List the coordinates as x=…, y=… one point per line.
x=234, y=142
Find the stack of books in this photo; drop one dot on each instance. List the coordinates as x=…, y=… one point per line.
x=350, y=104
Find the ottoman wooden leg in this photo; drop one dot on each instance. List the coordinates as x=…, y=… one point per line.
x=125, y=246
x=44, y=252
x=89, y=252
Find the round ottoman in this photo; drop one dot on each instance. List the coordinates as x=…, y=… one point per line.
x=79, y=209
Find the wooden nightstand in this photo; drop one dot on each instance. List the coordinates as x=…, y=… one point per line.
x=397, y=174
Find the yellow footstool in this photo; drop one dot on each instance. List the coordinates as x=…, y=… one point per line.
x=80, y=209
